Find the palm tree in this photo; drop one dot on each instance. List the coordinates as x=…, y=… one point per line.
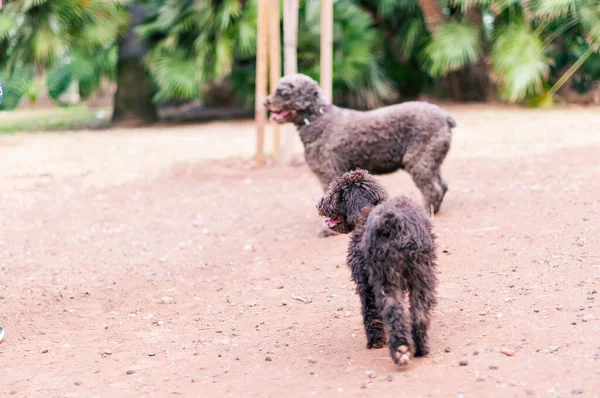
x=433, y=14
x=37, y=36
x=133, y=99
x=197, y=45
x=526, y=37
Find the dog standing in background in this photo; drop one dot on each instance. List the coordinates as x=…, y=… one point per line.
x=412, y=136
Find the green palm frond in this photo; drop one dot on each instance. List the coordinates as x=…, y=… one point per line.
x=468, y=4
x=175, y=75
x=8, y=24
x=454, y=46
x=412, y=33
x=519, y=62
x=590, y=20
x=553, y=9
x=15, y=85
x=390, y=8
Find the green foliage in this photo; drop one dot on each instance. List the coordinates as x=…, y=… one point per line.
x=519, y=61
x=453, y=47
x=198, y=44
x=15, y=86
x=73, y=39
x=528, y=39
x=380, y=46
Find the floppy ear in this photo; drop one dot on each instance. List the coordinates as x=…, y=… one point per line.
x=360, y=195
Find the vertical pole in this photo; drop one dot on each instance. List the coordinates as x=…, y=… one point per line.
x=327, y=48
x=290, y=67
x=274, y=62
x=260, y=114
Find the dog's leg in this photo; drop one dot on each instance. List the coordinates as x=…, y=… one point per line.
x=391, y=307
x=422, y=301
x=371, y=316
x=429, y=185
x=424, y=168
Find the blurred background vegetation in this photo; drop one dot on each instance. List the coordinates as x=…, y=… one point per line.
x=159, y=53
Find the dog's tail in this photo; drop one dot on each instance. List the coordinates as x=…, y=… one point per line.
x=451, y=120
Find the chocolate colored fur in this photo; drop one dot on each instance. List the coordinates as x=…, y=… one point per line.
x=414, y=136
x=391, y=253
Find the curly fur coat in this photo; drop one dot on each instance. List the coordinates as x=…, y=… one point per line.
x=413, y=136
x=392, y=252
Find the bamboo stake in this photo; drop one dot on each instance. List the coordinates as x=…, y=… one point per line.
x=260, y=114
x=274, y=63
x=290, y=67
x=327, y=48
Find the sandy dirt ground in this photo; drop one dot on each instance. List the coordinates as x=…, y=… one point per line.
x=150, y=263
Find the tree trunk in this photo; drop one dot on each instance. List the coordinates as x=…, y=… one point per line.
x=327, y=48
x=133, y=99
x=290, y=67
x=433, y=14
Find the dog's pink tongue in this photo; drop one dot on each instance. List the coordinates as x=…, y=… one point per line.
x=330, y=222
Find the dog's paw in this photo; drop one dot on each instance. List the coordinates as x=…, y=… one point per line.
x=402, y=356
x=376, y=344
x=324, y=232
x=376, y=334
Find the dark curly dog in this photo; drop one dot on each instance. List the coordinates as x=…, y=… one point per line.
x=391, y=253
x=414, y=136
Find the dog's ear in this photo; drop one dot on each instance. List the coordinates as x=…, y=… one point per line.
x=360, y=195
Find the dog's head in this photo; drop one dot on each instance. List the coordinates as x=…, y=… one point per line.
x=295, y=97
x=347, y=197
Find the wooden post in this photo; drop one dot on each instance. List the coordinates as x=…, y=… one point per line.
x=327, y=48
x=260, y=115
x=274, y=62
x=290, y=67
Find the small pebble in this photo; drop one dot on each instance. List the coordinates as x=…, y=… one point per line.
x=363, y=385
x=493, y=367
x=464, y=362
x=480, y=379
x=45, y=352
x=268, y=359
x=389, y=378
x=447, y=349
x=476, y=352
x=130, y=372
x=553, y=348
x=529, y=392
x=372, y=374
x=248, y=248
x=151, y=354
x=507, y=351
x=577, y=391
x=77, y=383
